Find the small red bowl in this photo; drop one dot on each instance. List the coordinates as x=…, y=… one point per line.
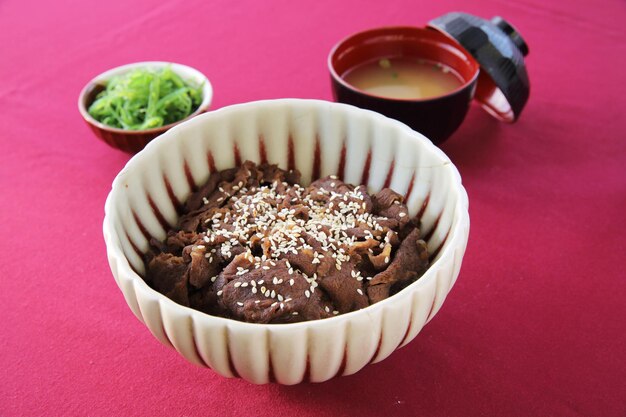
x=438, y=117
x=132, y=141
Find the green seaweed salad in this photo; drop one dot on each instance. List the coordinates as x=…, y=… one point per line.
x=144, y=99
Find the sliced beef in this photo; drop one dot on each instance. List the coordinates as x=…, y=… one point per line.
x=272, y=295
x=344, y=288
x=168, y=275
x=202, y=268
x=387, y=205
x=409, y=262
x=255, y=246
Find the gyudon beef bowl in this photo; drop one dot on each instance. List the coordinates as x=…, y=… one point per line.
x=287, y=240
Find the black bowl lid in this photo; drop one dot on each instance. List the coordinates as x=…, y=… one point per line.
x=503, y=86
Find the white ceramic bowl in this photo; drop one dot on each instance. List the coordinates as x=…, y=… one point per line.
x=319, y=138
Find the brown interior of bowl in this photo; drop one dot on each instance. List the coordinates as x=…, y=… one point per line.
x=92, y=92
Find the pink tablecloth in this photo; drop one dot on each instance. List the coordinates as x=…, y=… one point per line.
x=535, y=324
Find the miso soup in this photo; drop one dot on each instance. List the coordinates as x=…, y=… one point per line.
x=404, y=78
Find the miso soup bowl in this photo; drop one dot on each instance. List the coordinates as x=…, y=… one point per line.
x=438, y=117
x=318, y=138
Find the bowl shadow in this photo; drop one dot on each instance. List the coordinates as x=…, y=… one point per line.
x=376, y=388
x=475, y=145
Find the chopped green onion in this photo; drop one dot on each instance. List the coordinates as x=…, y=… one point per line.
x=384, y=63
x=145, y=99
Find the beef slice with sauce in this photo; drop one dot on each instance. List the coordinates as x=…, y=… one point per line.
x=387, y=205
x=201, y=270
x=409, y=262
x=261, y=302
x=168, y=275
x=344, y=289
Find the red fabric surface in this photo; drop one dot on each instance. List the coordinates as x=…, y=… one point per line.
x=535, y=323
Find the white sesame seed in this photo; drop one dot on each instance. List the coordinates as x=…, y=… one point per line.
x=237, y=284
x=291, y=282
x=280, y=297
x=244, y=284
x=386, y=259
x=220, y=292
x=327, y=309
x=359, y=291
x=402, y=214
x=273, y=294
x=307, y=294
x=239, y=303
x=254, y=290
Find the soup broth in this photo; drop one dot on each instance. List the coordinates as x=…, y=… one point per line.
x=404, y=78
